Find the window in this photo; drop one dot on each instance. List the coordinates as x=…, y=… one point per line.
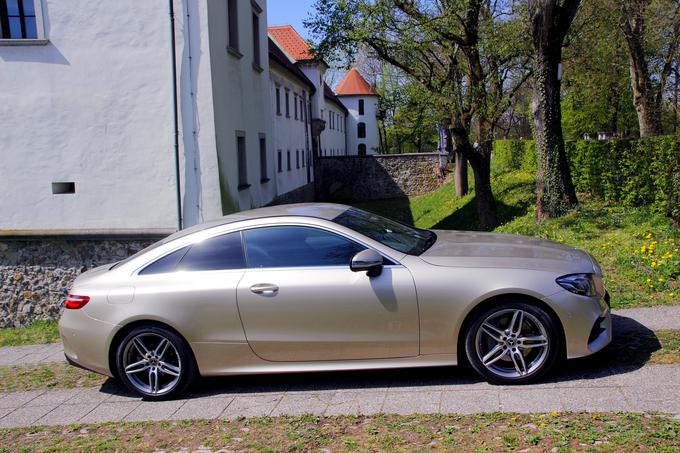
x=288, y=160
x=303, y=157
x=295, y=103
x=218, y=253
x=263, y=159
x=362, y=149
x=287, y=104
x=292, y=246
x=330, y=118
x=168, y=263
x=393, y=234
x=256, y=40
x=278, y=101
x=18, y=19
x=302, y=110
x=361, y=130
x=279, y=166
x=297, y=158
x=361, y=106
x=232, y=14
x=242, y=163
x=60, y=188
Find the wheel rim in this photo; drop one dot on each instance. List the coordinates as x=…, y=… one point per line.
x=151, y=363
x=512, y=343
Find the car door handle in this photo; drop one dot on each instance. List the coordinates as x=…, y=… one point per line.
x=264, y=288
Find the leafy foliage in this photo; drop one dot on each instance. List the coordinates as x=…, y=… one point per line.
x=635, y=172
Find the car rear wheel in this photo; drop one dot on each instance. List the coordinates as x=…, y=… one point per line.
x=155, y=362
x=512, y=343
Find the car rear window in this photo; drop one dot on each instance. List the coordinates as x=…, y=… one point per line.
x=218, y=253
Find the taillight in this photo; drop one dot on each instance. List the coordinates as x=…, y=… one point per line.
x=74, y=302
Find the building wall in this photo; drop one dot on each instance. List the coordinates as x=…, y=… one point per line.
x=93, y=107
x=292, y=133
x=333, y=141
x=241, y=102
x=315, y=72
x=372, y=140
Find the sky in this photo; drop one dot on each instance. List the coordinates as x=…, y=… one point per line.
x=289, y=12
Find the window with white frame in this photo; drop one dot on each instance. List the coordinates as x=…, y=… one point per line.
x=21, y=20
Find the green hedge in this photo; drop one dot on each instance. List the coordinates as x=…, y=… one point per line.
x=634, y=172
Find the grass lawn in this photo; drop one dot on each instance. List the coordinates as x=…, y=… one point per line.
x=46, y=376
x=40, y=332
x=485, y=432
x=638, y=249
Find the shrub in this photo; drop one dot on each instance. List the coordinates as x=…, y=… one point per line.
x=638, y=172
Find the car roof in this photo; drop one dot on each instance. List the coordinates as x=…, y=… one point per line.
x=327, y=211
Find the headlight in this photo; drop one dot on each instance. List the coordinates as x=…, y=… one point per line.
x=581, y=284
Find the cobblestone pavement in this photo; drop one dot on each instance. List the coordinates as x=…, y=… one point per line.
x=581, y=385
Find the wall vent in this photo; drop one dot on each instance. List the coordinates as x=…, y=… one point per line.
x=63, y=187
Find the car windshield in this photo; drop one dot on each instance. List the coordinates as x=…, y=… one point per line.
x=398, y=236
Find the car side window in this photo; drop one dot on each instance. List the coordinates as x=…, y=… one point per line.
x=217, y=253
x=292, y=246
x=166, y=264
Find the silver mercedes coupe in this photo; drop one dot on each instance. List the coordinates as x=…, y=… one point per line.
x=316, y=287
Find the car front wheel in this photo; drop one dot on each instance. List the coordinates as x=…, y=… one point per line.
x=155, y=362
x=512, y=343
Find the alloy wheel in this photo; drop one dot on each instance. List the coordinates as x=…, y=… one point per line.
x=512, y=343
x=152, y=364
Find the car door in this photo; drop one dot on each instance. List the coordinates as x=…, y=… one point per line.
x=299, y=300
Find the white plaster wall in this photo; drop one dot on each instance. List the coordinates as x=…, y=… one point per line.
x=333, y=140
x=289, y=133
x=93, y=106
x=315, y=72
x=369, y=117
x=241, y=103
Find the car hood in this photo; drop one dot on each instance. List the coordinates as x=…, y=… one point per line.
x=475, y=249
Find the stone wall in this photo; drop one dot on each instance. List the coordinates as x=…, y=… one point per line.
x=361, y=178
x=36, y=273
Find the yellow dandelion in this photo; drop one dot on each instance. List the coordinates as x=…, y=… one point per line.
x=671, y=294
x=649, y=280
x=653, y=263
x=649, y=236
x=553, y=414
x=661, y=280
x=643, y=248
x=543, y=425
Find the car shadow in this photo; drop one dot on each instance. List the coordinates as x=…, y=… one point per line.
x=632, y=346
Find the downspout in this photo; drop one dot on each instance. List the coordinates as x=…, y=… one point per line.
x=175, y=113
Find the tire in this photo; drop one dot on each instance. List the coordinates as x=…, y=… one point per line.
x=503, y=354
x=155, y=363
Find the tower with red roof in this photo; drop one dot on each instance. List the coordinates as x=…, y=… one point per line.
x=361, y=100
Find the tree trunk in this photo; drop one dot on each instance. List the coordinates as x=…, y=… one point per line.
x=644, y=95
x=460, y=174
x=554, y=189
x=484, y=199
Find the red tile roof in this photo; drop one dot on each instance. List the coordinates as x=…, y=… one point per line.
x=291, y=41
x=354, y=84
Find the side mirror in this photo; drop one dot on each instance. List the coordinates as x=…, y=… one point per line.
x=367, y=260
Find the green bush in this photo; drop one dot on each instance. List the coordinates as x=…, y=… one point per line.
x=511, y=155
x=634, y=172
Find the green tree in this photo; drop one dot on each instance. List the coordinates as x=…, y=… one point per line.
x=465, y=53
x=550, y=21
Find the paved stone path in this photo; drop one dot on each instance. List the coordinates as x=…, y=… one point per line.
x=31, y=354
x=582, y=385
x=447, y=390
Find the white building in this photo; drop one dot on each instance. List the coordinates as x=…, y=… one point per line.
x=361, y=101
x=87, y=101
x=291, y=92
x=326, y=109
x=87, y=109
x=334, y=138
